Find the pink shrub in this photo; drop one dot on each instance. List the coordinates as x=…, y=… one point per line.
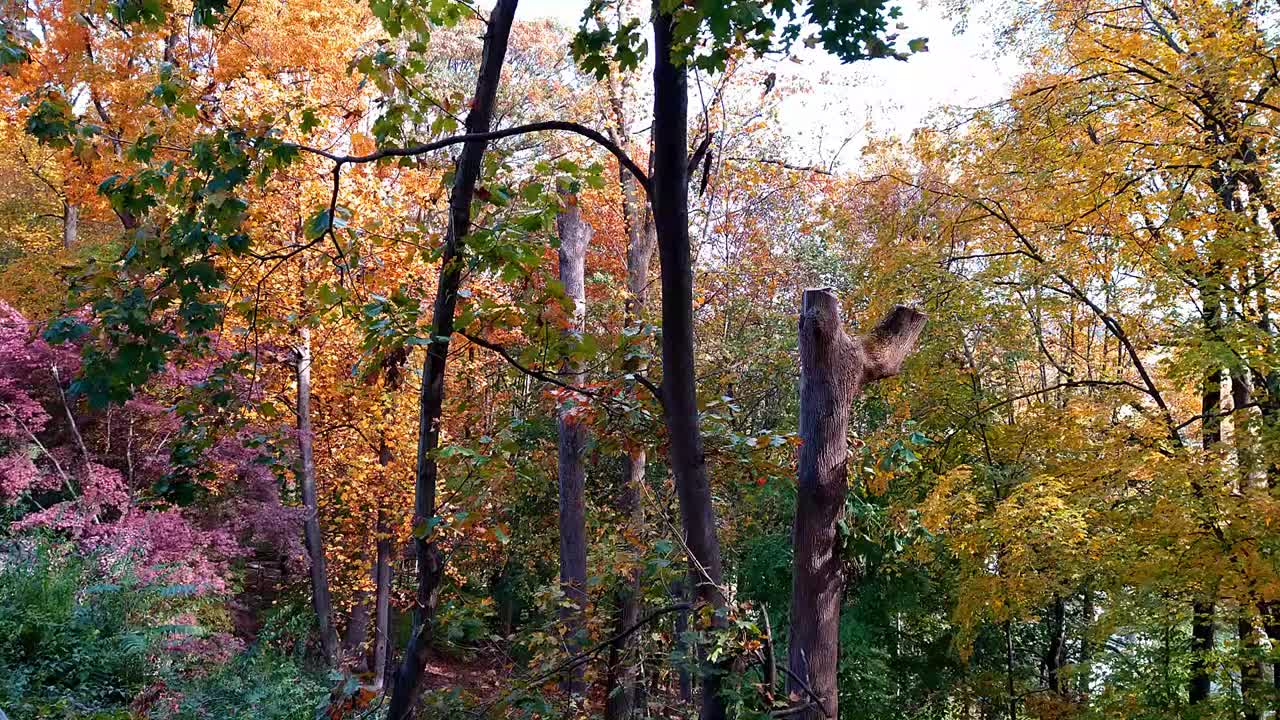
x=104, y=500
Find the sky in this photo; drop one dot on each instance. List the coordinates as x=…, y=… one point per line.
x=882, y=97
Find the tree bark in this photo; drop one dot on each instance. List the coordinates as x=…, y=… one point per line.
x=358, y=625
x=381, y=602
x=1202, y=641
x=307, y=480
x=70, y=224
x=575, y=234
x=670, y=201
x=1202, y=609
x=620, y=676
x=1054, y=652
x=834, y=368
x=467, y=173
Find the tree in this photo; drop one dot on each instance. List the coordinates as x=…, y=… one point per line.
x=574, y=234
x=834, y=369
x=466, y=174
x=307, y=480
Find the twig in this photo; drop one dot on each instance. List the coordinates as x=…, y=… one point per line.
x=808, y=691
x=513, y=362
x=71, y=419
x=583, y=657
x=66, y=479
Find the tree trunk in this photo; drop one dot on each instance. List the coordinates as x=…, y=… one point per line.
x=467, y=172
x=1251, y=692
x=575, y=234
x=1053, y=654
x=70, y=224
x=1202, y=642
x=1202, y=609
x=670, y=200
x=381, y=602
x=620, y=676
x=834, y=368
x=358, y=625
x=1086, y=647
x=307, y=479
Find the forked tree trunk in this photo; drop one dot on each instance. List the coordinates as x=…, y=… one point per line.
x=431, y=401
x=575, y=234
x=834, y=368
x=320, y=599
x=670, y=200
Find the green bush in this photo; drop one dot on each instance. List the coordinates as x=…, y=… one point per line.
x=70, y=646
x=259, y=684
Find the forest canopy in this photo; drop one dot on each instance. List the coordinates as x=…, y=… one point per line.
x=409, y=359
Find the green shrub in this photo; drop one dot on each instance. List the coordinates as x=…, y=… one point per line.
x=259, y=684
x=70, y=646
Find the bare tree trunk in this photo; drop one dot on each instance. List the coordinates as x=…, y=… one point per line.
x=1086, y=647
x=670, y=200
x=320, y=599
x=358, y=625
x=620, y=676
x=683, y=678
x=382, y=602
x=1202, y=609
x=467, y=172
x=834, y=368
x=575, y=234
x=70, y=224
x=1054, y=652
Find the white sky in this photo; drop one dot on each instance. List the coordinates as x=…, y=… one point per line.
x=882, y=96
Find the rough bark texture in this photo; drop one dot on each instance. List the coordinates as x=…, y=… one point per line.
x=834, y=368
x=320, y=599
x=670, y=199
x=575, y=234
x=467, y=173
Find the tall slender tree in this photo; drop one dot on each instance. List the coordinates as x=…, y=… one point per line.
x=466, y=174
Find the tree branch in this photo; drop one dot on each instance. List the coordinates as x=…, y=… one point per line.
x=424, y=148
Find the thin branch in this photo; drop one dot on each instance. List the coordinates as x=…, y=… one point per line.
x=531, y=372
x=783, y=164
x=545, y=125
x=71, y=419
x=808, y=691
x=66, y=479
x=583, y=657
